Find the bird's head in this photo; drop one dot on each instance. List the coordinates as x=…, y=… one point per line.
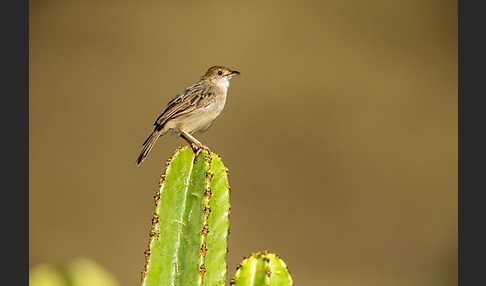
x=220, y=75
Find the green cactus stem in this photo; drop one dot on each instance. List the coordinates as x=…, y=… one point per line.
x=78, y=272
x=188, y=238
x=262, y=269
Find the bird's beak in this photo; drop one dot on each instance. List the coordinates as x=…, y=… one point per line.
x=233, y=73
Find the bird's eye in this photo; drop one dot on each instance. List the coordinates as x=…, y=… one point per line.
x=220, y=72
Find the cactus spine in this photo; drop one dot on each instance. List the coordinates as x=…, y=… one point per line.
x=188, y=239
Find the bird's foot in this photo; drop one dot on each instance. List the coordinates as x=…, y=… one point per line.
x=198, y=148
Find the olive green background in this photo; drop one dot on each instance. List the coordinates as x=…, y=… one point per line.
x=340, y=134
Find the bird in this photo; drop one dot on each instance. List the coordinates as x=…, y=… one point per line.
x=193, y=110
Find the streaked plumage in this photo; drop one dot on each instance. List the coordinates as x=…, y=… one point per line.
x=193, y=110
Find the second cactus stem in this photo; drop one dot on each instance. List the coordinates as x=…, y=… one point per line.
x=262, y=269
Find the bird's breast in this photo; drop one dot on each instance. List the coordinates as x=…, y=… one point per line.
x=219, y=102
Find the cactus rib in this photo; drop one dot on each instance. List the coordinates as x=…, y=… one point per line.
x=218, y=223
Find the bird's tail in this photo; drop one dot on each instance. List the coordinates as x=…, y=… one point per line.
x=148, y=145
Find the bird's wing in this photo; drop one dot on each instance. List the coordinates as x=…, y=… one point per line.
x=194, y=97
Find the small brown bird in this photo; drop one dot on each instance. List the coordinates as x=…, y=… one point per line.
x=194, y=110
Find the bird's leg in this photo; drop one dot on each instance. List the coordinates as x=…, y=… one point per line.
x=195, y=144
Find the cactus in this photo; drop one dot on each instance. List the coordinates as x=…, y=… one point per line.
x=188, y=238
x=79, y=272
x=262, y=269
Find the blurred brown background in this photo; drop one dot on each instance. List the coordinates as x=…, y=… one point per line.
x=340, y=135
